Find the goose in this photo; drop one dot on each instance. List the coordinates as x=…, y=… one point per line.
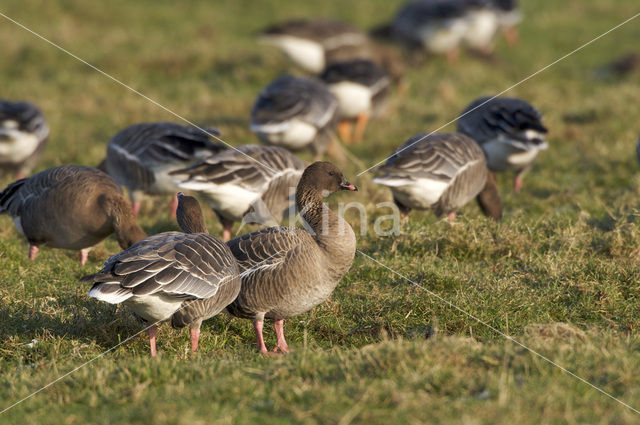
x=440, y=172
x=23, y=134
x=183, y=278
x=313, y=44
x=70, y=207
x=248, y=177
x=482, y=25
x=437, y=26
x=296, y=113
x=287, y=271
x=509, y=131
x=361, y=88
x=508, y=15
x=141, y=156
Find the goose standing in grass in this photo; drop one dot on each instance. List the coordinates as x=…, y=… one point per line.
x=361, y=88
x=287, y=271
x=23, y=134
x=313, y=44
x=141, y=156
x=437, y=26
x=296, y=113
x=440, y=172
x=70, y=207
x=510, y=132
x=248, y=177
x=184, y=278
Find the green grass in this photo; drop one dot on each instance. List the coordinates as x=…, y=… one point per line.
x=560, y=273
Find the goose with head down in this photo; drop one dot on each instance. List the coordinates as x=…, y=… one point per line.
x=440, y=172
x=70, y=207
x=286, y=271
x=509, y=131
x=254, y=180
x=183, y=278
x=141, y=156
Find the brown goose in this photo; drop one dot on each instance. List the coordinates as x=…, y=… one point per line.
x=141, y=156
x=23, y=134
x=182, y=277
x=70, y=207
x=440, y=172
x=286, y=271
x=249, y=177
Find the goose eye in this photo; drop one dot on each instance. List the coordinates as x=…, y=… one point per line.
x=332, y=173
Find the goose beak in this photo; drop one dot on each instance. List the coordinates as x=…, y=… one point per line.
x=345, y=185
x=179, y=195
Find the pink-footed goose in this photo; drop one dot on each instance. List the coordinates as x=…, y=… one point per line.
x=509, y=131
x=313, y=44
x=296, y=113
x=361, y=88
x=70, y=207
x=141, y=156
x=286, y=271
x=183, y=278
x=23, y=134
x=440, y=172
x=259, y=180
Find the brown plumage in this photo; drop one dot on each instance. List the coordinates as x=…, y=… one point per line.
x=70, y=207
x=286, y=271
x=182, y=277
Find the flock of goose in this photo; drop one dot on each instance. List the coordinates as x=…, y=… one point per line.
x=278, y=272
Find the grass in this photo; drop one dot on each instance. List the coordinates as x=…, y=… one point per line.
x=560, y=273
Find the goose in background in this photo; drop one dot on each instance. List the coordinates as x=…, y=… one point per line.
x=435, y=26
x=509, y=16
x=361, y=88
x=440, y=172
x=23, y=135
x=250, y=178
x=313, y=44
x=70, y=207
x=141, y=156
x=287, y=271
x=296, y=113
x=509, y=131
x=183, y=278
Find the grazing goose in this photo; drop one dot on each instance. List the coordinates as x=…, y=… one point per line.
x=312, y=44
x=286, y=271
x=295, y=113
x=437, y=26
x=482, y=24
x=141, y=156
x=182, y=277
x=23, y=134
x=237, y=180
x=509, y=131
x=361, y=88
x=70, y=207
x=440, y=172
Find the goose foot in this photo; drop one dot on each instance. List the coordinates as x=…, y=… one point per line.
x=452, y=217
x=511, y=35
x=33, y=252
x=281, y=346
x=195, y=337
x=361, y=125
x=135, y=207
x=83, y=255
x=517, y=184
x=152, y=331
x=173, y=207
x=258, y=325
x=344, y=131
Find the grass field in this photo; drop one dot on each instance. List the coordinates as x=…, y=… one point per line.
x=560, y=272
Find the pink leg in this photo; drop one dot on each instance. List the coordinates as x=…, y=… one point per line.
x=135, y=206
x=226, y=232
x=451, y=216
x=33, y=251
x=517, y=184
x=152, y=331
x=361, y=125
x=282, y=344
x=511, y=35
x=195, y=337
x=258, y=325
x=83, y=255
x=344, y=131
x=173, y=206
